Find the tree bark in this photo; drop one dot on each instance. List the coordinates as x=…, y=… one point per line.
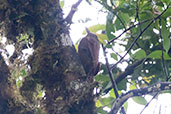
x=54, y=64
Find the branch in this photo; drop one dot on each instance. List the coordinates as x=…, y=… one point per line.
x=137, y=15
x=128, y=30
x=88, y=2
x=128, y=71
x=74, y=7
x=158, y=87
x=115, y=13
x=114, y=86
x=139, y=37
x=149, y=103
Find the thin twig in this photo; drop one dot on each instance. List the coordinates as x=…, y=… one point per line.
x=136, y=18
x=88, y=2
x=115, y=13
x=139, y=37
x=114, y=86
x=127, y=30
x=168, y=78
x=148, y=103
x=74, y=7
x=116, y=53
x=109, y=8
x=160, y=109
x=137, y=15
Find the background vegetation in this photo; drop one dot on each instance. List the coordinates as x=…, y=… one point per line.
x=50, y=79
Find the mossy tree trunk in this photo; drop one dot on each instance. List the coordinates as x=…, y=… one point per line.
x=54, y=64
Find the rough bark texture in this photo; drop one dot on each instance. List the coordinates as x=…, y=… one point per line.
x=4, y=93
x=54, y=64
x=8, y=93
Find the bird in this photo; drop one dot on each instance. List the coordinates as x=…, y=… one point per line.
x=88, y=51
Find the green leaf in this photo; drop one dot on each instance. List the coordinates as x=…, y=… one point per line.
x=155, y=54
x=110, y=26
x=114, y=56
x=98, y=103
x=23, y=37
x=158, y=54
x=112, y=94
x=108, y=46
x=128, y=9
x=133, y=86
x=140, y=100
x=165, y=34
x=122, y=85
x=23, y=72
x=40, y=94
x=123, y=19
x=166, y=44
x=95, y=28
x=102, y=38
x=108, y=85
x=107, y=101
x=102, y=78
x=167, y=13
x=166, y=1
x=140, y=54
x=118, y=24
x=62, y=3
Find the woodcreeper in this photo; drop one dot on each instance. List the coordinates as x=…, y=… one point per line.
x=88, y=50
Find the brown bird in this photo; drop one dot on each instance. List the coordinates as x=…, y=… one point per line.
x=88, y=50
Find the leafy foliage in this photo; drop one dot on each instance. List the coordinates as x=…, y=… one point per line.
x=145, y=27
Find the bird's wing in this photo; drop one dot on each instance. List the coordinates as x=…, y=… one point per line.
x=94, y=47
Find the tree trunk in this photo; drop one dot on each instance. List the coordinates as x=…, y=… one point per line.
x=54, y=64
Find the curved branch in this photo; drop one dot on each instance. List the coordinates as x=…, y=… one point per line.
x=158, y=87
